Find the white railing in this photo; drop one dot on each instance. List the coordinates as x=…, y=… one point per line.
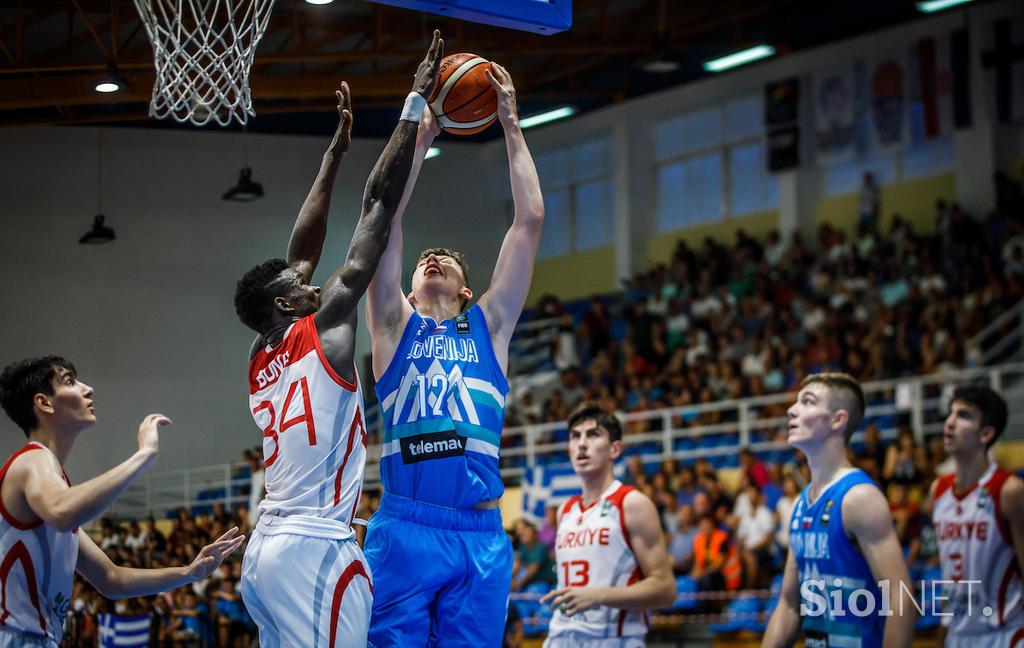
x=1011, y=326
x=677, y=433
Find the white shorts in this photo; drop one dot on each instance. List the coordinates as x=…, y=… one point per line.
x=1004, y=638
x=18, y=640
x=306, y=592
x=577, y=641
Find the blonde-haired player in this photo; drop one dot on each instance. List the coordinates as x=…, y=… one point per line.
x=610, y=553
x=978, y=513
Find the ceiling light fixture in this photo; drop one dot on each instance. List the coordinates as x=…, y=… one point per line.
x=737, y=59
x=432, y=152
x=99, y=233
x=319, y=2
x=112, y=81
x=545, y=117
x=663, y=60
x=246, y=190
x=931, y=6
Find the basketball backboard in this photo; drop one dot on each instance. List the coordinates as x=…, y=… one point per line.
x=537, y=16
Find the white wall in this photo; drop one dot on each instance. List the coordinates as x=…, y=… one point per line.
x=149, y=319
x=632, y=122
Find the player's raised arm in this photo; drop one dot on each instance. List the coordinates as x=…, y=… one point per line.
x=866, y=516
x=784, y=626
x=67, y=507
x=383, y=192
x=504, y=299
x=387, y=309
x=307, y=239
x=116, y=582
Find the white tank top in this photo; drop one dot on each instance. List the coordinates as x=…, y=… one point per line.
x=592, y=549
x=314, y=439
x=975, y=545
x=36, y=569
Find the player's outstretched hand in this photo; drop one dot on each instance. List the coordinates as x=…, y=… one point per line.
x=499, y=77
x=343, y=136
x=149, y=437
x=213, y=554
x=573, y=600
x=427, y=72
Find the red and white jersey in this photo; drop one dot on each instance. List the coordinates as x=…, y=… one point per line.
x=314, y=440
x=592, y=549
x=36, y=569
x=975, y=545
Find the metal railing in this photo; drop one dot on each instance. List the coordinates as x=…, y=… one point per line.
x=1003, y=337
x=716, y=431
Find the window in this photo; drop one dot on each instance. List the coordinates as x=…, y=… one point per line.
x=711, y=164
x=578, y=198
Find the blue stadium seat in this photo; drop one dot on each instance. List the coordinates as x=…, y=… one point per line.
x=741, y=613
x=685, y=585
x=540, y=613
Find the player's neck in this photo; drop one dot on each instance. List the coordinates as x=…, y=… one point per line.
x=970, y=470
x=594, y=486
x=57, y=443
x=828, y=463
x=439, y=308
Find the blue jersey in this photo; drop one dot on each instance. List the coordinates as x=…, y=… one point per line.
x=443, y=406
x=831, y=569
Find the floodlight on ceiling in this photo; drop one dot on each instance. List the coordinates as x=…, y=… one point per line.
x=432, y=152
x=931, y=6
x=112, y=81
x=246, y=190
x=99, y=233
x=739, y=58
x=319, y=2
x=546, y=117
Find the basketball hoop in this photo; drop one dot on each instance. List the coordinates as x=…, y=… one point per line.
x=203, y=50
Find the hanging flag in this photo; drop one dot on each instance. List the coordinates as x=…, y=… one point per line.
x=117, y=630
x=887, y=100
x=833, y=113
x=547, y=486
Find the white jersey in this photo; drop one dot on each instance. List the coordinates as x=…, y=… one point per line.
x=36, y=571
x=592, y=549
x=976, y=551
x=314, y=439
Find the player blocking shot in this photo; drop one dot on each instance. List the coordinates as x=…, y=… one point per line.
x=441, y=558
x=42, y=543
x=609, y=549
x=844, y=555
x=304, y=579
x=978, y=514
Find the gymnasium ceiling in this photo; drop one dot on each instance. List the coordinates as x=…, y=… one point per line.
x=53, y=51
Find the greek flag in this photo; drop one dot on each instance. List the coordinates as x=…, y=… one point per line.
x=116, y=630
x=546, y=486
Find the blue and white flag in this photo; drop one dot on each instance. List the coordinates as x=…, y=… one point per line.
x=546, y=486
x=117, y=630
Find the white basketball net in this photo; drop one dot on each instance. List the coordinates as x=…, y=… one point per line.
x=203, y=51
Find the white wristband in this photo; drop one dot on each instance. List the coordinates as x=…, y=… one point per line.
x=413, y=109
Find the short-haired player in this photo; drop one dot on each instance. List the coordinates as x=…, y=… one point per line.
x=42, y=543
x=440, y=369
x=842, y=541
x=978, y=515
x=609, y=550
x=304, y=578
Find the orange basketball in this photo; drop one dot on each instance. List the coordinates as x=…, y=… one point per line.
x=464, y=101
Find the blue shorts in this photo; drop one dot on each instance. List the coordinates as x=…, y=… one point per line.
x=441, y=576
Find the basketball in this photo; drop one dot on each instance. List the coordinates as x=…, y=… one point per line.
x=464, y=101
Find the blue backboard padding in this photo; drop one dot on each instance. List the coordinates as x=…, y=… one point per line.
x=537, y=16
